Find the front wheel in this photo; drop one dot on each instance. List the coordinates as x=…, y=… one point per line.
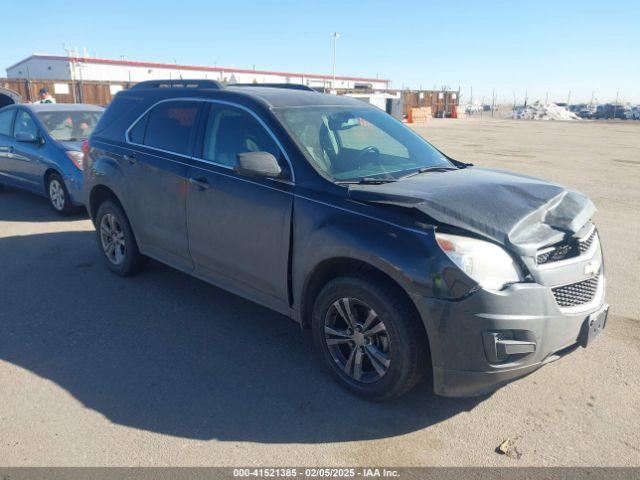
x=59, y=195
x=370, y=337
x=116, y=240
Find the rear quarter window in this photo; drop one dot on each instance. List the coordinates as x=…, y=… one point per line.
x=120, y=113
x=136, y=134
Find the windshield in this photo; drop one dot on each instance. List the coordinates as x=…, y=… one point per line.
x=353, y=143
x=69, y=126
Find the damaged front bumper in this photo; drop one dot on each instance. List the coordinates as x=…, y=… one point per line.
x=73, y=183
x=489, y=338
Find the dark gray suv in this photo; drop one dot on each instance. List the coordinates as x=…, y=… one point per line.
x=401, y=260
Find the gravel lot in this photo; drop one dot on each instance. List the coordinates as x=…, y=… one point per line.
x=163, y=369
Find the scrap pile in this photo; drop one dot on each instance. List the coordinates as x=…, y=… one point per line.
x=540, y=111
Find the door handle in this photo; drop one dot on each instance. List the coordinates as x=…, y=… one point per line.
x=131, y=158
x=201, y=183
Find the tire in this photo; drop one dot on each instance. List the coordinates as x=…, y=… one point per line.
x=116, y=240
x=58, y=196
x=393, y=360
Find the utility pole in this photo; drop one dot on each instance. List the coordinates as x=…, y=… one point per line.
x=72, y=71
x=546, y=101
x=335, y=36
x=569, y=99
x=493, y=101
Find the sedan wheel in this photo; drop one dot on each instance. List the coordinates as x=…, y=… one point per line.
x=112, y=239
x=357, y=340
x=57, y=195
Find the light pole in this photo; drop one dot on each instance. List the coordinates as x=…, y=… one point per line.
x=335, y=36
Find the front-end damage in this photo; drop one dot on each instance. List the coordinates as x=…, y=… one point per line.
x=490, y=337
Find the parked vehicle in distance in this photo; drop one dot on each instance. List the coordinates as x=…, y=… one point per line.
x=610, y=111
x=333, y=213
x=41, y=149
x=633, y=113
x=585, y=113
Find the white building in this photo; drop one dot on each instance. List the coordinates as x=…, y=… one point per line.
x=55, y=67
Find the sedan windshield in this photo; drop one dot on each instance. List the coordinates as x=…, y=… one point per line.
x=69, y=126
x=350, y=144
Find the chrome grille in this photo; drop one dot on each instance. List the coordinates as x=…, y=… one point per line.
x=586, y=243
x=557, y=253
x=578, y=293
x=562, y=251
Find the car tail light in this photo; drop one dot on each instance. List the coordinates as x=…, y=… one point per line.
x=76, y=157
x=85, y=147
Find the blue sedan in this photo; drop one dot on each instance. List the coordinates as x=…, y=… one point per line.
x=41, y=150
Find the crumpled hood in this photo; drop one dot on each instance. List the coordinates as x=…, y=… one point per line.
x=520, y=212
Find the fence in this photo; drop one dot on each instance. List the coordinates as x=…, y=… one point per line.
x=65, y=91
x=441, y=102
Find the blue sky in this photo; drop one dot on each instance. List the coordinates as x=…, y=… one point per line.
x=537, y=46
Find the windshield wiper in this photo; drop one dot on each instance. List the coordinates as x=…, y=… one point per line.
x=367, y=181
x=428, y=169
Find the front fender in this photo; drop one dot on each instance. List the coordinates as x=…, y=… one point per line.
x=411, y=257
x=346, y=236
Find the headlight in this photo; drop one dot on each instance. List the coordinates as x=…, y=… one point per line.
x=485, y=262
x=75, y=157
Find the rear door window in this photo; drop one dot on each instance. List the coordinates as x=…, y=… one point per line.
x=6, y=119
x=171, y=126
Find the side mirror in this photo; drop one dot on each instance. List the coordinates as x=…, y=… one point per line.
x=257, y=164
x=26, y=137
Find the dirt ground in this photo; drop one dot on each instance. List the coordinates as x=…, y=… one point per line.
x=163, y=369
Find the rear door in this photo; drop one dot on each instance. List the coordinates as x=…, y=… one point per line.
x=239, y=227
x=161, y=144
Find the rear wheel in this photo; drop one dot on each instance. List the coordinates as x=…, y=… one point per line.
x=59, y=195
x=116, y=240
x=370, y=337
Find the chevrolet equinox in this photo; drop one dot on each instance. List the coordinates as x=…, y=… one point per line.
x=401, y=260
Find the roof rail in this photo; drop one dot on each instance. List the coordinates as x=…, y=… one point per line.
x=290, y=86
x=179, y=84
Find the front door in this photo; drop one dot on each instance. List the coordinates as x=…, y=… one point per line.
x=27, y=156
x=239, y=228
x=7, y=173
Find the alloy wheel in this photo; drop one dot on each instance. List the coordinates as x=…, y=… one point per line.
x=57, y=195
x=112, y=239
x=357, y=340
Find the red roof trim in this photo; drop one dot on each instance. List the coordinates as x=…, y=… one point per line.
x=128, y=63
